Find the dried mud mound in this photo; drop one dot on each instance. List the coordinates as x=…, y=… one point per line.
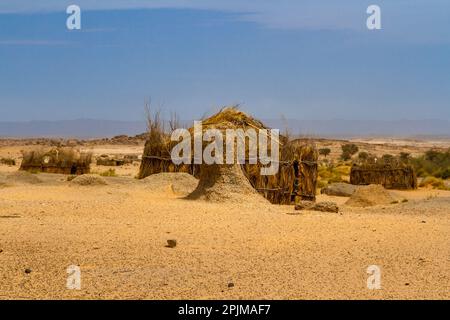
x=177, y=182
x=371, y=195
x=22, y=177
x=224, y=183
x=89, y=180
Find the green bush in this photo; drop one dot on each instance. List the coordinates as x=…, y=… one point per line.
x=348, y=150
x=388, y=158
x=363, y=156
x=324, y=152
x=404, y=156
x=331, y=174
x=336, y=178
x=321, y=184
x=446, y=174
x=432, y=163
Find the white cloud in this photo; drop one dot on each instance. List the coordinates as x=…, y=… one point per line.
x=271, y=13
x=414, y=20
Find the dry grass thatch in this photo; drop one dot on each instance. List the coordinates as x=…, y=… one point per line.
x=390, y=175
x=56, y=160
x=297, y=173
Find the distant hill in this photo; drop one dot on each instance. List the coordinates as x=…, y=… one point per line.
x=89, y=128
x=360, y=128
x=81, y=128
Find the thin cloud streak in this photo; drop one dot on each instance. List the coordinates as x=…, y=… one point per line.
x=416, y=21
x=285, y=14
x=35, y=43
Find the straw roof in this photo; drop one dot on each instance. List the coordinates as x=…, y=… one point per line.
x=232, y=118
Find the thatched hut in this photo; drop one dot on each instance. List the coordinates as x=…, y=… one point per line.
x=296, y=177
x=394, y=175
x=56, y=160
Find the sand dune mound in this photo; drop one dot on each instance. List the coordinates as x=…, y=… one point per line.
x=23, y=177
x=371, y=195
x=222, y=183
x=89, y=180
x=176, y=182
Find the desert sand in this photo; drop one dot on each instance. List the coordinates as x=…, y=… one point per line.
x=117, y=234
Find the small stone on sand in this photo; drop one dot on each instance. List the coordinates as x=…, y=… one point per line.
x=171, y=243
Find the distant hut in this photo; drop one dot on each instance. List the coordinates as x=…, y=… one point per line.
x=117, y=160
x=56, y=160
x=296, y=177
x=105, y=160
x=391, y=175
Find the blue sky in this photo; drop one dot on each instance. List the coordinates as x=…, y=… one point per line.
x=299, y=59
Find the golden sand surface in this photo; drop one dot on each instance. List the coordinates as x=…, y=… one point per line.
x=117, y=235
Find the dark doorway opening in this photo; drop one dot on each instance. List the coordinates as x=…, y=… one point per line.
x=296, y=182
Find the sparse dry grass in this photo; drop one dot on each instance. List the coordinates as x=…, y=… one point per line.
x=108, y=173
x=433, y=182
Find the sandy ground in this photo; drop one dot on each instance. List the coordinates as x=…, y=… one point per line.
x=117, y=235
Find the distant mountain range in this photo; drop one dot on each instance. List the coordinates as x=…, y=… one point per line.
x=81, y=128
x=366, y=128
x=90, y=128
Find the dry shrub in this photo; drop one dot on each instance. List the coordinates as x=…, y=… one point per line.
x=109, y=173
x=433, y=182
x=333, y=174
x=432, y=163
